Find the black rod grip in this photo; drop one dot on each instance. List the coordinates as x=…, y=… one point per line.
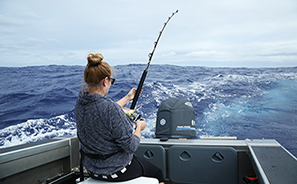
x=138, y=89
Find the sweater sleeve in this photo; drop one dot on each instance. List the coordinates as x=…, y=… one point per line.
x=122, y=130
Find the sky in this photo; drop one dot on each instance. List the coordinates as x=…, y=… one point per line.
x=211, y=33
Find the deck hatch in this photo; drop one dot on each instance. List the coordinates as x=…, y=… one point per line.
x=210, y=165
x=154, y=154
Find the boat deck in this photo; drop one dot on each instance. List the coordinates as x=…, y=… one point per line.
x=273, y=165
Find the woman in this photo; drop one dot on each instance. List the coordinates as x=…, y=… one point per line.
x=105, y=132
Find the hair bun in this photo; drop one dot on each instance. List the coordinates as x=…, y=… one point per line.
x=94, y=59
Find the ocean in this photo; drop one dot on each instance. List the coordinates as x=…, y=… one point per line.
x=37, y=102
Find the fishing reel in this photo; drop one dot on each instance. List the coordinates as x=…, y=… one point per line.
x=132, y=115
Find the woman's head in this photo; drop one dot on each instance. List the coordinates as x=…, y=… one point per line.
x=96, y=69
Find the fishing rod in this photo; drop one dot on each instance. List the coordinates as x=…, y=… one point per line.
x=150, y=55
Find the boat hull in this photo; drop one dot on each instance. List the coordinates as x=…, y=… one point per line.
x=182, y=160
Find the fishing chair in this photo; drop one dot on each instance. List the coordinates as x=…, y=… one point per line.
x=142, y=179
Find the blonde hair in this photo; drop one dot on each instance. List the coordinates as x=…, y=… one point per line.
x=96, y=69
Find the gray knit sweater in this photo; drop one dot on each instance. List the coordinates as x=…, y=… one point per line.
x=103, y=128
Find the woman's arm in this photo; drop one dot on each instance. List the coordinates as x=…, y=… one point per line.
x=122, y=131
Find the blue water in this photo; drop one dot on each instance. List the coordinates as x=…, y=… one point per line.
x=37, y=103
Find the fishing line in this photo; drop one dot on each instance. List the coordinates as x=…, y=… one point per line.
x=150, y=55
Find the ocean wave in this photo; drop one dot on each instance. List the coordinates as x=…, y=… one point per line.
x=37, y=103
x=37, y=129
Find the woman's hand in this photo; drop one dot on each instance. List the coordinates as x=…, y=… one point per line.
x=140, y=125
x=128, y=97
x=132, y=93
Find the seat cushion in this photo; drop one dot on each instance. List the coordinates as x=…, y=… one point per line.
x=140, y=180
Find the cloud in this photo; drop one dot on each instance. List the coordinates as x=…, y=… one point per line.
x=168, y=54
x=213, y=33
x=9, y=21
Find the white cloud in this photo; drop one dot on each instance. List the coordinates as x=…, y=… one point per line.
x=169, y=54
